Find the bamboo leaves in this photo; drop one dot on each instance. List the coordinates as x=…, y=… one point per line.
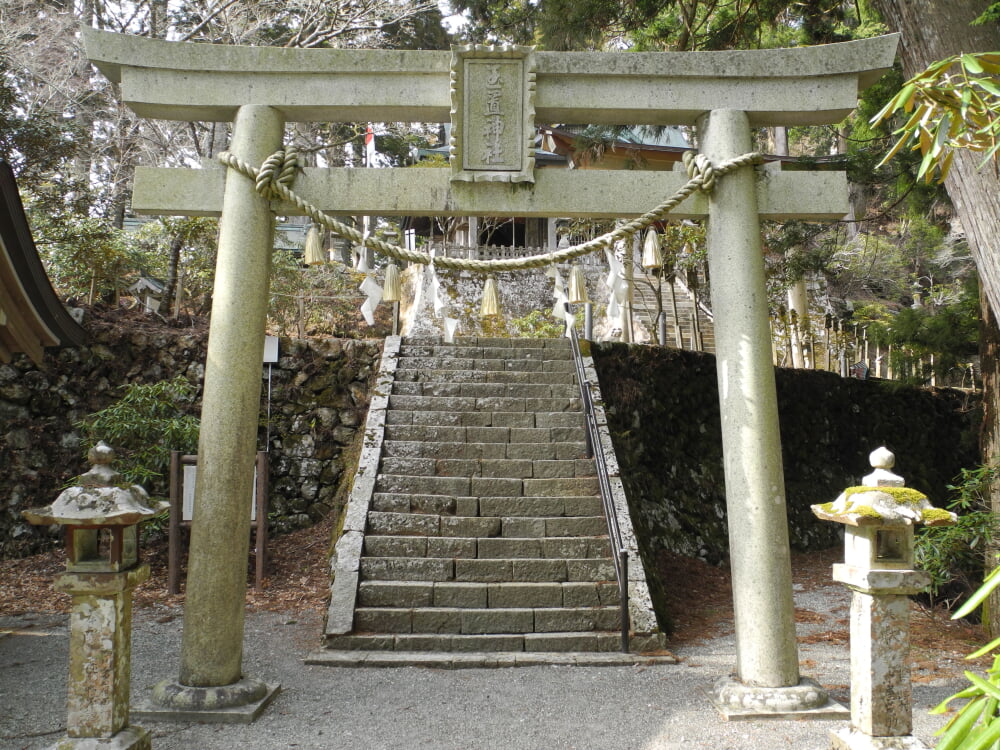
x=144, y=425
x=954, y=103
x=976, y=726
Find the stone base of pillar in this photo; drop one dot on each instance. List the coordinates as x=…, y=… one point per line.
x=131, y=738
x=851, y=739
x=239, y=703
x=807, y=700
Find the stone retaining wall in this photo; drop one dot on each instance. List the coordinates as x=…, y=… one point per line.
x=319, y=401
x=663, y=410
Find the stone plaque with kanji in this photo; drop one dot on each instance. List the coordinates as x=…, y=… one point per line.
x=492, y=114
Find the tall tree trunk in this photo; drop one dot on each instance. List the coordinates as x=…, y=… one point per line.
x=158, y=19
x=173, y=268
x=989, y=436
x=931, y=31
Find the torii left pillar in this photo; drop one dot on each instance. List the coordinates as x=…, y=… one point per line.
x=211, y=685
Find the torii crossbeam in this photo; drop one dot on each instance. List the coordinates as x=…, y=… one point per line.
x=493, y=97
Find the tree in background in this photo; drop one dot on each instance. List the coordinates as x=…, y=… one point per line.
x=934, y=32
x=143, y=426
x=651, y=25
x=74, y=146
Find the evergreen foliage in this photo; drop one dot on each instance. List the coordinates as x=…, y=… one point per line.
x=954, y=555
x=143, y=426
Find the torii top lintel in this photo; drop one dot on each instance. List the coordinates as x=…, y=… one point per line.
x=205, y=82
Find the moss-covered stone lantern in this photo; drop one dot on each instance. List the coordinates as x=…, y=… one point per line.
x=879, y=519
x=101, y=514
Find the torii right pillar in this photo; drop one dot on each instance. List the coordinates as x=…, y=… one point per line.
x=767, y=680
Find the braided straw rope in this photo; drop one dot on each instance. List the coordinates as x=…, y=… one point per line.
x=274, y=178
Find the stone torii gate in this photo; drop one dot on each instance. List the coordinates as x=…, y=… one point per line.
x=492, y=97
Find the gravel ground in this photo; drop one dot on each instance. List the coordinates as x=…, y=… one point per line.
x=527, y=708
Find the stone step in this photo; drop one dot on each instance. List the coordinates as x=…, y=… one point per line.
x=550, y=507
x=445, y=651
x=469, y=434
x=483, y=404
x=485, y=571
x=402, y=502
x=561, y=365
x=523, y=468
x=442, y=418
x=600, y=643
x=551, y=548
x=487, y=390
x=459, y=620
x=397, y=502
x=409, y=594
x=405, y=374
x=492, y=451
x=519, y=419
x=429, y=524
x=540, y=342
x=489, y=341
x=487, y=486
x=457, y=351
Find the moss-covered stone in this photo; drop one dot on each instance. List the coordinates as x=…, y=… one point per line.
x=933, y=516
x=902, y=495
x=663, y=410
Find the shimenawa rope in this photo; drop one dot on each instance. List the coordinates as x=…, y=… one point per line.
x=274, y=179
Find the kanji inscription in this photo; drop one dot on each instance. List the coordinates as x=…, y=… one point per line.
x=493, y=114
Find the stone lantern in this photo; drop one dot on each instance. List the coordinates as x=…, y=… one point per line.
x=879, y=519
x=101, y=516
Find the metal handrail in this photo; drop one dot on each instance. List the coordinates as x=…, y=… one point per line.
x=619, y=555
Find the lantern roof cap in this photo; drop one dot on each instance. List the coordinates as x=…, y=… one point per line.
x=883, y=500
x=100, y=497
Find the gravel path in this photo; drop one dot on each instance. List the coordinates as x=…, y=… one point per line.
x=528, y=708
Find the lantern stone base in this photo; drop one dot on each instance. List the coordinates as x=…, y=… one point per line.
x=239, y=703
x=849, y=738
x=130, y=738
x=807, y=700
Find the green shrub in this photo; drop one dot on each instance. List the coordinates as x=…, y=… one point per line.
x=143, y=426
x=954, y=555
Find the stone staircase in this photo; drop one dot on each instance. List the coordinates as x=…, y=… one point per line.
x=644, y=309
x=484, y=540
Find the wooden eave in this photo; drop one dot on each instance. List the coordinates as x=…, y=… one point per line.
x=31, y=315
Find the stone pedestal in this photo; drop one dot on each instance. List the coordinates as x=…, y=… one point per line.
x=853, y=739
x=737, y=701
x=881, y=693
x=100, y=656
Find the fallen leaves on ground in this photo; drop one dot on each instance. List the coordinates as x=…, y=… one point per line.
x=699, y=600
x=296, y=579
